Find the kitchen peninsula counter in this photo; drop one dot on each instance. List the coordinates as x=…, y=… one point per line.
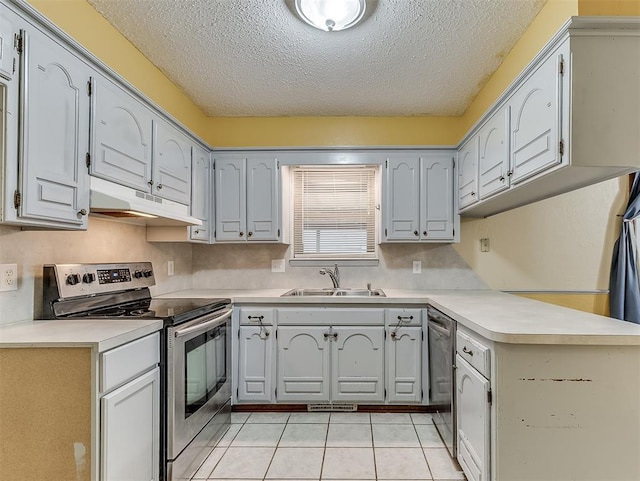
x=495, y=315
x=99, y=334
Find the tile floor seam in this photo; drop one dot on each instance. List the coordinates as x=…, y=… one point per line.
x=424, y=454
x=276, y=448
x=373, y=449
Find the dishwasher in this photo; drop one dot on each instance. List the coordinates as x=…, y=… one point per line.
x=441, y=335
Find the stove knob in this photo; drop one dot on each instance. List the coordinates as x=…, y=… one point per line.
x=73, y=279
x=137, y=274
x=88, y=278
x=147, y=273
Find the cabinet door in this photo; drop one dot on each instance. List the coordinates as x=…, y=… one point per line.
x=494, y=154
x=535, y=121
x=230, y=193
x=130, y=430
x=171, y=164
x=122, y=129
x=468, y=173
x=8, y=30
x=55, y=134
x=201, y=194
x=255, y=364
x=357, y=364
x=473, y=412
x=263, y=194
x=402, y=197
x=303, y=363
x=404, y=364
x=436, y=194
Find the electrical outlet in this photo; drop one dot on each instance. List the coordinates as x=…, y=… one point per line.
x=277, y=265
x=8, y=277
x=417, y=267
x=171, y=268
x=484, y=245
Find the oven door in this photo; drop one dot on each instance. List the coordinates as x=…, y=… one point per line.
x=198, y=376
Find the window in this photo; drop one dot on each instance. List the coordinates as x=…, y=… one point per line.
x=334, y=212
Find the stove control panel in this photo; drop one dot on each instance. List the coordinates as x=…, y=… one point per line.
x=73, y=280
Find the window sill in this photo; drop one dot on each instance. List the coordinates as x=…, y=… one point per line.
x=330, y=262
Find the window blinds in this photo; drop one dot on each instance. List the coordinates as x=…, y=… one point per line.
x=334, y=212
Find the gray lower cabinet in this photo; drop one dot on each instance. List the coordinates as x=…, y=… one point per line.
x=404, y=364
x=255, y=364
x=324, y=363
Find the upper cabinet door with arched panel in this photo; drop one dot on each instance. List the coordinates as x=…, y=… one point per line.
x=263, y=199
x=54, y=134
x=201, y=193
x=494, y=154
x=436, y=194
x=536, y=120
x=171, y=163
x=468, y=172
x=122, y=129
x=230, y=193
x=401, y=198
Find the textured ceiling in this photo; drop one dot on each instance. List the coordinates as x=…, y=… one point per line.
x=256, y=58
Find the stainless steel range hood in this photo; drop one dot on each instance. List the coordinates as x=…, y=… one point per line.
x=115, y=201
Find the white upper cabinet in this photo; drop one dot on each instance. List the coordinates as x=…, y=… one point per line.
x=436, y=194
x=8, y=54
x=402, y=219
x=247, y=198
x=572, y=119
x=171, y=170
x=494, y=154
x=418, y=200
x=122, y=133
x=468, y=172
x=201, y=194
x=535, y=121
x=54, y=134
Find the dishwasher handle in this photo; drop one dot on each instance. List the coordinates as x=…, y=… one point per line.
x=438, y=328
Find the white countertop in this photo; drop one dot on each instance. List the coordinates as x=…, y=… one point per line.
x=100, y=334
x=494, y=315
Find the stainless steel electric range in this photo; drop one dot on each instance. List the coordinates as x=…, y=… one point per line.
x=195, y=353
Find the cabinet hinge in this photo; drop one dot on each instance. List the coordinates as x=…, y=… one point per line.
x=454, y=232
x=385, y=393
x=385, y=232
x=278, y=164
x=385, y=334
x=18, y=42
x=90, y=87
x=421, y=395
x=561, y=148
x=278, y=232
x=422, y=335
x=237, y=392
x=275, y=392
x=386, y=164
x=276, y=333
x=238, y=333
x=454, y=162
x=489, y=396
x=17, y=199
x=561, y=66
x=87, y=159
x=14, y=66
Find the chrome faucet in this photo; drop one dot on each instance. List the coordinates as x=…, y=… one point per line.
x=334, y=274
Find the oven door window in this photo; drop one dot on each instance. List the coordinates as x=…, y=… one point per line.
x=205, y=368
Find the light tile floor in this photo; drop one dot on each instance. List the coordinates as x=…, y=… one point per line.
x=330, y=446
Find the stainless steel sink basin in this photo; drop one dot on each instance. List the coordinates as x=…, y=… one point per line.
x=335, y=292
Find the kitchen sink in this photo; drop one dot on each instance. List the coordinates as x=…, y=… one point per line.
x=335, y=292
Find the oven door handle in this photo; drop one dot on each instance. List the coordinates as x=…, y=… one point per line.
x=204, y=326
x=439, y=328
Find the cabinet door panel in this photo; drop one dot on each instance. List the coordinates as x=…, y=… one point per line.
x=230, y=194
x=130, y=430
x=55, y=133
x=303, y=364
x=468, y=173
x=122, y=129
x=402, y=198
x=357, y=364
x=473, y=419
x=201, y=194
x=494, y=154
x=436, y=192
x=255, y=363
x=8, y=29
x=404, y=364
x=262, y=199
x=171, y=164
x=535, y=122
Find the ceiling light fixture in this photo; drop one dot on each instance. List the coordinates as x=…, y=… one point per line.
x=331, y=15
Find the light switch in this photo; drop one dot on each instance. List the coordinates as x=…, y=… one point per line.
x=417, y=267
x=484, y=244
x=277, y=265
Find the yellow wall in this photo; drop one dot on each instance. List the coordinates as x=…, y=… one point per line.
x=594, y=303
x=82, y=22
x=608, y=7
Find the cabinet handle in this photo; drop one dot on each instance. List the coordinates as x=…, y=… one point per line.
x=159, y=186
x=150, y=182
x=326, y=335
x=425, y=233
x=510, y=173
x=335, y=336
x=467, y=351
x=473, y=194
x=393, y=335
x=249, y=234
x=501, y=178
x=241, y=233
x=415, y=233
x=402, y=318
x=197, y=231
x=259, y=318
x=82, y=212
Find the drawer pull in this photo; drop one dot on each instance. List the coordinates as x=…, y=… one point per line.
x=259, y=318
x=402, y=318
x=467, y=351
